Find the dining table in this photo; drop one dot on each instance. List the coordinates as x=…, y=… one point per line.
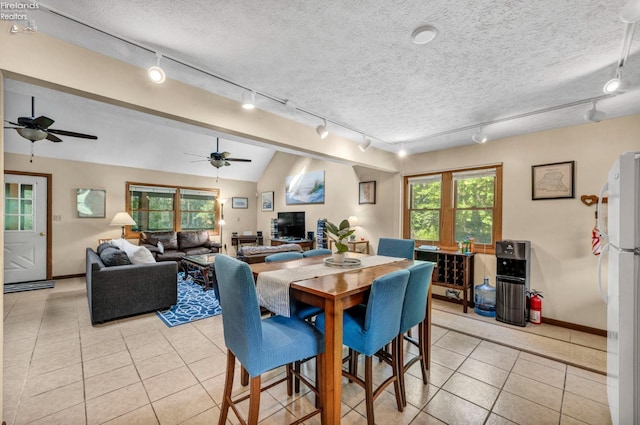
x=334, y=293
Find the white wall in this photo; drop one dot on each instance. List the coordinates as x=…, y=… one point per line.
x=563, y=266
x=71, y=235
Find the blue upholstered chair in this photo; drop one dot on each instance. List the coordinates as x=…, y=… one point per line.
x=283, y=256
x=259, y=344
x=401, y=248
x=414, y=312
x=368, y=328
x=317, y=251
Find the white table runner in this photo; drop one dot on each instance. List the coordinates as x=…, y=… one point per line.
x=273, y=286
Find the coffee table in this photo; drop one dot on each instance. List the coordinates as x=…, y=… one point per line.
x=205, y=264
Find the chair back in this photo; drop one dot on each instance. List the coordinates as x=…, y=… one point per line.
x=283, y=256
x=415, y=299
x=382, y=318
x=317, y=251
x=241, y=320
x=401, y=248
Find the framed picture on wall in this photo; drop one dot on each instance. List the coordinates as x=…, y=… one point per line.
x=553, y=181
x=367, y=192
x=90, y=203
x=241, y=203
x=267, y=201
x=305, y=188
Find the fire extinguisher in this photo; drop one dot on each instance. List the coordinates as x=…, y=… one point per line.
x=535, y=306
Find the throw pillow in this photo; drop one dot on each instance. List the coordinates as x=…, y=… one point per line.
x=142, y=256
x=112, y=256
x=102, y=246
x=160, y=247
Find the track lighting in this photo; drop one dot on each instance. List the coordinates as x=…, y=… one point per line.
x=366, y=143
x=630, y=13
x=479, y=137
x=248, y=99
x=593, y=114
x=31, y=27
x=616, y=84
x=155, y=73
x=322, y=129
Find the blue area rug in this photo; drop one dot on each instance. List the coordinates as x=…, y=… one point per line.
x=28, y=286
x=194, y=303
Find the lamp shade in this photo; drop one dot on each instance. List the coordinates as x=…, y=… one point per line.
x=122, y=219
x=353, y=221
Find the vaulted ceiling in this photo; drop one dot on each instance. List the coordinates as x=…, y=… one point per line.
x=509, y=67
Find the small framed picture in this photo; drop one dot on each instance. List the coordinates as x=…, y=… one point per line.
x=367, y=193
x=241, y=203
x=553, y=181
x=267, y=201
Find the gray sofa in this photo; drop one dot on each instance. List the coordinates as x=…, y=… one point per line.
x=120, y=291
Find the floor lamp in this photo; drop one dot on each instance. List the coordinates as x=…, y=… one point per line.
x=221, y=222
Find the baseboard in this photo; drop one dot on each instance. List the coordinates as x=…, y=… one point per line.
x=547, y=320
x=68, y=276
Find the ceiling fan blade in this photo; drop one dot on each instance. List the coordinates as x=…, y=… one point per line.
x=12, y=123
x=238, y=159
x=53, y=138
x=199, y=160
x=199, y=156
x=225, y=154
x=41, y=122
x=13, y=128
x=72, y=134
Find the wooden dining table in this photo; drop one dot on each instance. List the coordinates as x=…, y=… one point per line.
x=334, y=293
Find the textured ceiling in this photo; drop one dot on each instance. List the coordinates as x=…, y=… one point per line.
x=353, y=62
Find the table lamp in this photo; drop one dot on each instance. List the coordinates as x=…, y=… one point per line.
x=122, y=219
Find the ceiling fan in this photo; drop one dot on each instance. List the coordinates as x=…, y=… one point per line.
x=219, y=159
x=35, y=129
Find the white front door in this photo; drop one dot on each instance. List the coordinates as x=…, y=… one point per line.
x=25, y=228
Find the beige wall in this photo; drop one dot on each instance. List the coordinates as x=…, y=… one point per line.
x=341, y=196
x=71, y=235
x=563, y=266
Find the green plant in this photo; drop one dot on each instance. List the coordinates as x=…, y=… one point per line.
x=339, y=233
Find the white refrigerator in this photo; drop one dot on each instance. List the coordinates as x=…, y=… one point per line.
x=622, y=237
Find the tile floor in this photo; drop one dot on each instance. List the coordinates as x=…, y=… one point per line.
x=58, y=369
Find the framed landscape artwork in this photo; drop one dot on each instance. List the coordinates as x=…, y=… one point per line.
x=367, y=192
x=553, y=181
x=305, y=188
x=267, y=201
x=241, y=203
x=90, y=203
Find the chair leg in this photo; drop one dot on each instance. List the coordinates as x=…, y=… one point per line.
x=296, y=367
x=353, y=362
x=254, y=400
x=400, y=370
x=228, y=385
x=396, y=348
x=244, y=376
x=422, y=347
x=368, y=388
x=290, y=378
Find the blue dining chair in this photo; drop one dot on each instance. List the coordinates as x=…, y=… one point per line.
x=414, y=312
x=317, y=251
x=259, y=344
x=283, y=256
x=401, y=248
x=368, y=328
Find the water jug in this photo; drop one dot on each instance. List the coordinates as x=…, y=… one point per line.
x=485, y=299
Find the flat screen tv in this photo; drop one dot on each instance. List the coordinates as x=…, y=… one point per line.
x=291, y=225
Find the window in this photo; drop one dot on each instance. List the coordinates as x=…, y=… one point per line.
x=444, y=208
x=18, y=208
x=164, y=208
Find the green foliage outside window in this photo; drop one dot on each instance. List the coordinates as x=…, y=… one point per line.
x=474, y=208
x=425, y=210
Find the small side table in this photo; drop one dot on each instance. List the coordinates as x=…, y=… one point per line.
x=353, y=245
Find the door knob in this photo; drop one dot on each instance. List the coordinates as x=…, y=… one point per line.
x=42, y=233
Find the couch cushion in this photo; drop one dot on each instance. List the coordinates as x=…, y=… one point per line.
x=169, y=239
x=137, y=254
x=197, y=251
x=192, y=238
x=102, y=246
x=112, y=256
x=170, y=255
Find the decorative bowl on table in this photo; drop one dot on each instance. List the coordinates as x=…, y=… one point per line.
x=346, y=264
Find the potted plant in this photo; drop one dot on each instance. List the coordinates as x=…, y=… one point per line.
x=338, y=234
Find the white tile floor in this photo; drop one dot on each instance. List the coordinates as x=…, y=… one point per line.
x=58, y=369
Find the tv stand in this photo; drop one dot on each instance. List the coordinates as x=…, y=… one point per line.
x=305, y=244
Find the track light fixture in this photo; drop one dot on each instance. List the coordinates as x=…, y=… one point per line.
x=322, y=129
x=630, y=13
x=248, y=99
x=155, y=73
x=31, y=27
x=479, y=137
x=365, y=144
x=616, y=84
x=593, y=114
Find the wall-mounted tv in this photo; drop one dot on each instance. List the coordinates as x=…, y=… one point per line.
x=291, y=225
